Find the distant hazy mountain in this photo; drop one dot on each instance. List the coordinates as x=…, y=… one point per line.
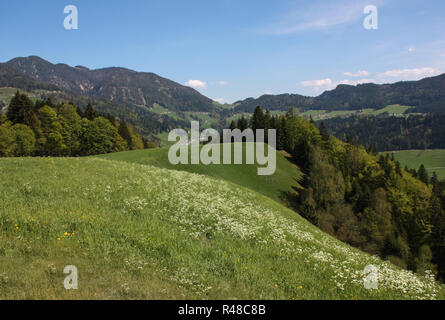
x=427, y=95
x=118, y=85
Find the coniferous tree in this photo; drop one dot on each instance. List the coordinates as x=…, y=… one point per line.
x=21, y=110
x=323, y=132
x=90, y=113
x=242, y=123
x=422, y=174
x=257, y=120
x=125, y=132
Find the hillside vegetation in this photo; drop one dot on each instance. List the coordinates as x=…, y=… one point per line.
x=383, y=133
x=139, y=232
x=285, y=180
x=42, y=128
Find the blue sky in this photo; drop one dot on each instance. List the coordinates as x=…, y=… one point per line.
x=234, y=49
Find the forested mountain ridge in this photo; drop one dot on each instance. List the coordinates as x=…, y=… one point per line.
x=390, y=133
x=9, y=77
x=426, y=95
x=118, y=85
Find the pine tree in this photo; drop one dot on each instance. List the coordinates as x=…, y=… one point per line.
x=422, y=174
x=242, y=123
x=233, y=125
x=257, y=121
x=21, y=110
x=90, y=113
x=398, y=169
x=125, y=132
x=323, y=132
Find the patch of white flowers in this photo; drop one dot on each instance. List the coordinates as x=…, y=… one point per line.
x=200, y=205
x=135, y=204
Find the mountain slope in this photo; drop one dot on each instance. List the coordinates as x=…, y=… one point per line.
x=285, y=180
x=427, y=95
x=140, y=232
x=118, y=85
x=10, y=77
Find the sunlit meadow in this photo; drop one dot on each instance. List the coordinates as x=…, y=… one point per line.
x=139, y=232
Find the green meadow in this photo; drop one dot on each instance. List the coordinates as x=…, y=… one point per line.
x=135, y=231
x=433, y=160
x=285, y=180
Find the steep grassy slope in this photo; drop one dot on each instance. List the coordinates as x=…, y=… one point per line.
x=433, y=160
x=284, y=180
x=136, y=231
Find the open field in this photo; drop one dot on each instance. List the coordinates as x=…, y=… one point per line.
x=395, y=109
x=140, y=232
x=433, y=160
x=317, y=115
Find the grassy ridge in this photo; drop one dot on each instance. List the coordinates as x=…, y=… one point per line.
x=433, y=160
x=284, y=180
x=139, y=232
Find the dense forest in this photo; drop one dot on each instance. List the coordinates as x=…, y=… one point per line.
x=366, y=200
x=47, y=129
x=145, y=121
x=389, y=133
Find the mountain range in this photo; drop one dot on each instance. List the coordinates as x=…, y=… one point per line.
x=426, y=95
x=113, y=84
x=131, y=95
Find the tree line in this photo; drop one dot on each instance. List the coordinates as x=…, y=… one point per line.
x=363, y=199
x=44, y=128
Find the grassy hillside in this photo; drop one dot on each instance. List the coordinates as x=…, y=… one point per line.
x=139, y=232
x=433, y=160
x=395, y=109
x=318, y=115
x=284, y=180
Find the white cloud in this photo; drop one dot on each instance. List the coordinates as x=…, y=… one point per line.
x=328, y=83
x=321, y=16
x=360, y=73
x=355, y=82
x=220, y=100
x=442, y=55
x=223, y=83
x=409, y=73
x=196, y=84
x=411, y=49
x=324, y=83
